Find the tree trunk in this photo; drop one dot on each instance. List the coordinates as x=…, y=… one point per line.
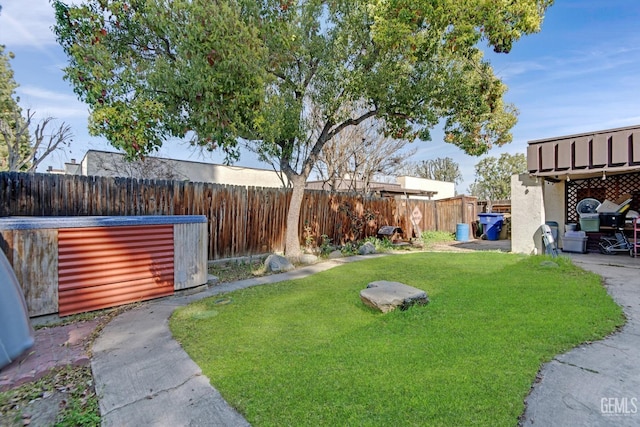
x=292, y=248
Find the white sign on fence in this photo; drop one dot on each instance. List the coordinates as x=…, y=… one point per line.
x=416, y=215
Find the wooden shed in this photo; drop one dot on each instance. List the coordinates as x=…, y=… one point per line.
x=69, y=265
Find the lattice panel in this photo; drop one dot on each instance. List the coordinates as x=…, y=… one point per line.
x=610, y=188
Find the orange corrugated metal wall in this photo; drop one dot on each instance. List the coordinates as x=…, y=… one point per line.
x=108, y=266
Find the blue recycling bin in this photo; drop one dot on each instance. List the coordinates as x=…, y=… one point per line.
x=491, y=224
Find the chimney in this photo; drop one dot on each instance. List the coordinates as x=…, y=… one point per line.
x=73, y=161
x=50, y=168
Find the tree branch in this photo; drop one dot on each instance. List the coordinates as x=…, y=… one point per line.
x=23, y=153
x=328, y=132
x=62, y=136
x=14, y=138
x=352, y=122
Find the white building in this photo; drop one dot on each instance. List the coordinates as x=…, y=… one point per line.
x=104, y=163
x=408, y=187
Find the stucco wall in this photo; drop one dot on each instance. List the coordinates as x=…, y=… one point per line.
x=554, y=209
x=100, y=163
x=444, y=190
x=527, y=214
x=232, y=175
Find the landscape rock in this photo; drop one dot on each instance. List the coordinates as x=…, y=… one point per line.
x=307, y=259
x=277, y=264
x=367, y=248
x=336, y=254
x=387, y=296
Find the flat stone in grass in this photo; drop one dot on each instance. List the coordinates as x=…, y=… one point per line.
x=386, y=296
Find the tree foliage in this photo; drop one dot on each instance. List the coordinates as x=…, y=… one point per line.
x=291, y=76
x=150, y=70
x=493, y=176
x=10, y=112
x=19, y=149
x=439, y=169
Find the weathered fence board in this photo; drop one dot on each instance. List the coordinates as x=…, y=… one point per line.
x=35, y=267
x=241, y=221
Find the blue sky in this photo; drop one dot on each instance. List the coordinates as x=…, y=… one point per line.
x=580, y=73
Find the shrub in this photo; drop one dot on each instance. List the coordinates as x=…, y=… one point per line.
x=382, y=245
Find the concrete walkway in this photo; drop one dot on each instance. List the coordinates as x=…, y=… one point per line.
x=596, y=384
x=144, y=378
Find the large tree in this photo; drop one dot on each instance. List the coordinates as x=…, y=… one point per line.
x=21, y=150
x=439, y=169
x=10, y=112
x=493, y=176
x=359, y=155
x=154, y=69
x=224, y=70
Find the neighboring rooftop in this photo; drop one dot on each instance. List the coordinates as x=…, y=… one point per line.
x=406, y=186
x=105, y=163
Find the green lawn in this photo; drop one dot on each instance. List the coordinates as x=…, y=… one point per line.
x=308, y=352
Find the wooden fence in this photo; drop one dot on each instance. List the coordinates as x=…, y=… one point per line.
x=496, y=206
x=242, y=221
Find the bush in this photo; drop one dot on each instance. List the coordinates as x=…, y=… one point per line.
x=349, y=249
x=381, y=245
x=325, y=247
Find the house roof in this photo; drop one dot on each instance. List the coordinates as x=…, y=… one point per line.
x=584, y=155
x=194, y=162
x=385, y=189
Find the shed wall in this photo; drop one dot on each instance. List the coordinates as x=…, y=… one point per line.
x=190, y=250
x=108, y=266
x=35, y=265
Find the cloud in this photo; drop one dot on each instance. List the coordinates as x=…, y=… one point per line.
x=602, y=62
x=27, y=23
x=46, y=102
x=64, y=112
x=511, y=70
x=46, y=94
